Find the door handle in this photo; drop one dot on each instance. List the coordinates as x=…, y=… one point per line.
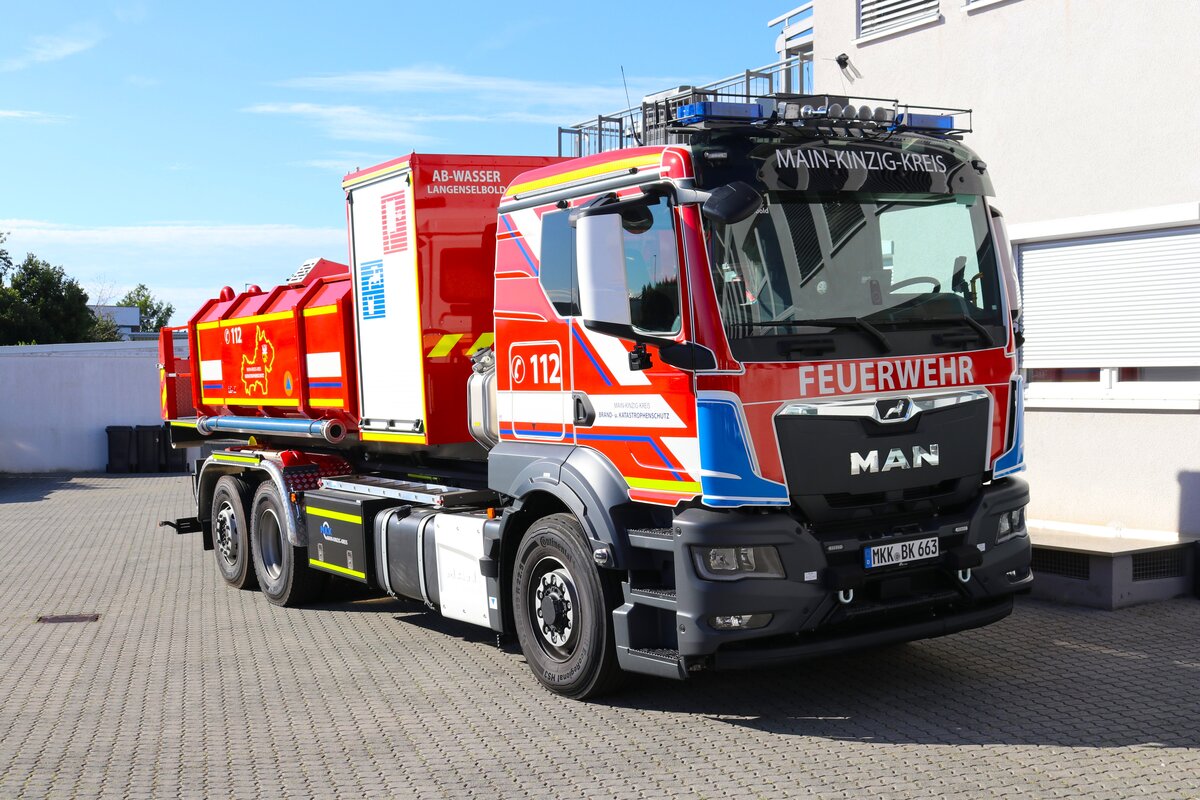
x=584, y=411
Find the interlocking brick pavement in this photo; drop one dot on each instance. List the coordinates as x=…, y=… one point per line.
x=186, y=688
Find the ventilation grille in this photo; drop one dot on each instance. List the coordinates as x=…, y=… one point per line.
x=302, y=271
x=1062, y=563
x=875, y=16
x=1159, y=564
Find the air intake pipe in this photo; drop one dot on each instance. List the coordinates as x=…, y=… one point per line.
x=331, y=430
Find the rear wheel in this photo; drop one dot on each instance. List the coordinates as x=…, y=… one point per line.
x=283, y=572
x=562, y=608
x=231, y=533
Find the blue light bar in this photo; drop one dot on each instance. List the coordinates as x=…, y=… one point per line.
x=712, y=110
x=937, y=122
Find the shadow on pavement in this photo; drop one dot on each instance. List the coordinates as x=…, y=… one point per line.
x=19, y=488
x=1048, y=675
x=34, y=488
x=1115, y=683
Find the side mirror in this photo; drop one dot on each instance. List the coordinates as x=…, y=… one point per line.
x=732, y=203
x=603, y=295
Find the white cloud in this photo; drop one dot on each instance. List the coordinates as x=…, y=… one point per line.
x=30, y=116
x=183, y=262
x=352, y=122
x=172, y=234
x=418, y=102
x=342, y=161
x=43, y=49
x=492, y=96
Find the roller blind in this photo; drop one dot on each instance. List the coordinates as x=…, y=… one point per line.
x=1117, y=301
x=875, y=16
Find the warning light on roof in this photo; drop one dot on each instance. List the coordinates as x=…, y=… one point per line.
x=817, y=112
x=713, y=110
x=937, y=122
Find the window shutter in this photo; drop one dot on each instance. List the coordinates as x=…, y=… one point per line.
x=1116, y=301
x=875, y=16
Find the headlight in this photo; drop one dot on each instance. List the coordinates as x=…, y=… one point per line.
x=735, y=563
x=1012, y=524
x=739, y=622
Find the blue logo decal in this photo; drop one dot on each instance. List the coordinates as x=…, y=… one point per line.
x=370, y=289
x=326, y=530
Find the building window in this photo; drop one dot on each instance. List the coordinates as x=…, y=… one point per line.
x=881, y=16
x=1110, y=321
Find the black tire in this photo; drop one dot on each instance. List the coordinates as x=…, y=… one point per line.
x=231, y=532
x=572, y=650
x=283, y=572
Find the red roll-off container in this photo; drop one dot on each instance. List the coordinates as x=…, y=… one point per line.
x=286, y=352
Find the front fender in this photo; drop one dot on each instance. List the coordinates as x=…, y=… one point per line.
x=582, y=479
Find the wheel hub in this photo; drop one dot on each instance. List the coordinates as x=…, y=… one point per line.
x=554, y=607
x=225, y=533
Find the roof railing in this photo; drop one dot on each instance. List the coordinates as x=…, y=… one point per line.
x=647, y=123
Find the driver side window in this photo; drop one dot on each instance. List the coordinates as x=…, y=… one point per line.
x=652, y=268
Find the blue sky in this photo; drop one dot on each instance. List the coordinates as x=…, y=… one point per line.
x=192, y=145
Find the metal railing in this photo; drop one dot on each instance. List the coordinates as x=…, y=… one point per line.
x=646, y=124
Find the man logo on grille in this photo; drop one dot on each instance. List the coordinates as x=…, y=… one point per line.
x=891, y=410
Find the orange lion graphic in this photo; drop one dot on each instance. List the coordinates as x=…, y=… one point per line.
x=256, y=368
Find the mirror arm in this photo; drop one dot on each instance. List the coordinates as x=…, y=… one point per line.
x=680, y=195
x=623, y=331
x=592, y=207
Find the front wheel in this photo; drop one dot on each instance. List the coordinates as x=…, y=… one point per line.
x=283, y=572
x=563, y=611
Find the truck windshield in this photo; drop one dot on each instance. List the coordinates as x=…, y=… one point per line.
x=911, y=267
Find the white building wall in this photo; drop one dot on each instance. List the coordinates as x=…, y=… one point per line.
x=56, y=401
x=1081, y=106
x=1117, y=469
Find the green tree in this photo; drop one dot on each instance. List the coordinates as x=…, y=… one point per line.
x=105, y=329
x=40, y=304
x=155, y=314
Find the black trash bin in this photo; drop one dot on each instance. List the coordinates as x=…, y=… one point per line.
x=120, y=448
x=149, y=448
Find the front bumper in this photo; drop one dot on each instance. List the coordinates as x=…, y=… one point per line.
x=898, y=603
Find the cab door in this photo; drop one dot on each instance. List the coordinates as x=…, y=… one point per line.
x=642, y=419
x=534, y=256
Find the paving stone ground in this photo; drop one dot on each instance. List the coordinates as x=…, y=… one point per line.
x=186, y=688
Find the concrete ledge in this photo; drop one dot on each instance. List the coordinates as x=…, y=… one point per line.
x=1111, y=572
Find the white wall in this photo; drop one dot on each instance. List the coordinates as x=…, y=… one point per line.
x=1081, y=106
x=56, y=400
x=1121, y=469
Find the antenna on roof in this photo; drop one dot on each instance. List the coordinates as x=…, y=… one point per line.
x=629, y=104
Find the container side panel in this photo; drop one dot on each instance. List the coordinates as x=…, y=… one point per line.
x=455, y=199
x=387, y=307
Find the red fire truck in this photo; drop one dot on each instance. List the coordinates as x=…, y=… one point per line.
x=744, y=398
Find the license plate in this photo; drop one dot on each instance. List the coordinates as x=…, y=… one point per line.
x=885, y=555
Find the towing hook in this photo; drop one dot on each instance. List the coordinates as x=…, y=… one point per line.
x=845, y=596
x=964, y=575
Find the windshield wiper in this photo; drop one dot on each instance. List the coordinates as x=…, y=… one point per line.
x=833, y=322
x=964, y=319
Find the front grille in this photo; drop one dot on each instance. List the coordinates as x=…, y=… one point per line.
x=849, y=468
x=1062, y=563
x=845, y=500
x=1159, y=564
